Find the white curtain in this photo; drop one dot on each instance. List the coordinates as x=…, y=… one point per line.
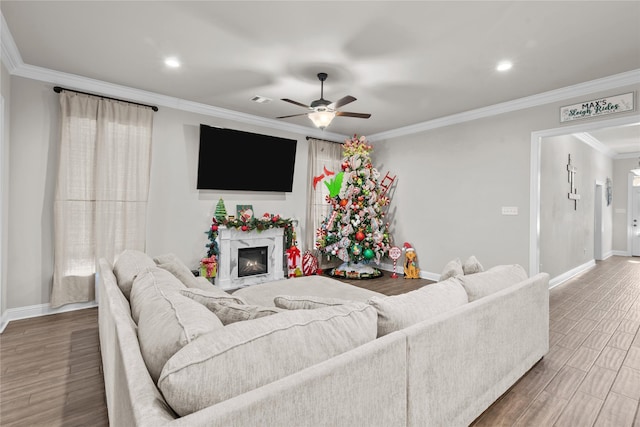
x=322, y=154
x=102, y=189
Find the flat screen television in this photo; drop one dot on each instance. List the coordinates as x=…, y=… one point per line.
x=243, y=161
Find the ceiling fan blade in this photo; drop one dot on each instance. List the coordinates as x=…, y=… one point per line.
x=300, y=104
x=358, y=115
x=292, y=115
x=342, y=101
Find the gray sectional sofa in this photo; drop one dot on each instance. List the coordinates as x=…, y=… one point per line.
x=312, y=351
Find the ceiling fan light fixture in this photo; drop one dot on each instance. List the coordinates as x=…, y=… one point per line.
x=321, y=119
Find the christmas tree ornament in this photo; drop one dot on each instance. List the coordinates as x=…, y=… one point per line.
x=356, y=249
x=368, y=254
x=360, y=236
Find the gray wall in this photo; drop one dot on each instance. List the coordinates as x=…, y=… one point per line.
x=566, y=228
x=621, y=168
x=5, y=91
x=178, y=214
x=453, y=181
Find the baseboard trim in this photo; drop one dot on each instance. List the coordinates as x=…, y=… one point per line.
x=399, y=270
x=607, y=255
x=620, y=253
x=40, y=310
x=571, y=273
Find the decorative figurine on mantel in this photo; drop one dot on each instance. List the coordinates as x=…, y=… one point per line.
x=411, y=270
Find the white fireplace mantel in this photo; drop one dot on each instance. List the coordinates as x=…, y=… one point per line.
x=230, y=240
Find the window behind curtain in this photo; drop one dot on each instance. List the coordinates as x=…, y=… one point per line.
x=102, y=189
x=322, y=154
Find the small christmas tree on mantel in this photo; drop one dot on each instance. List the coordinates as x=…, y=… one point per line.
x=355, y=230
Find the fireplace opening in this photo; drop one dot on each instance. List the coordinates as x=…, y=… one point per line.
x=252, y=261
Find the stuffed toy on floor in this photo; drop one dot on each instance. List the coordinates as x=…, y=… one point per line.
x=411, y=270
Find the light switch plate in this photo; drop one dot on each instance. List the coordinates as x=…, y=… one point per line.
x=509, y=210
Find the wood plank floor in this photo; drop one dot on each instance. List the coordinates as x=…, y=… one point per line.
x=50, y=368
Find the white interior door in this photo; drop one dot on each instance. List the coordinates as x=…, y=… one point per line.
x=635, y=221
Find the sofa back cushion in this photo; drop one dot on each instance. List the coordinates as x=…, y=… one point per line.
x=246, y=355
x=308, y=302
x=399, y=311
x=147, y=284
x=169, y=321
x=128, y=265
x=175, y=266
x=213, y=295
x=230, y=312
x=493, y=280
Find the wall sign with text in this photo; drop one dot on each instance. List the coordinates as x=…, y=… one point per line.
x=598, y=107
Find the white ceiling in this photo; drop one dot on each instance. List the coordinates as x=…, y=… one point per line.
x=405, y=62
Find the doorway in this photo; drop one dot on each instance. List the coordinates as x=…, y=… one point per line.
x=598, y=229
x=534, y=193
x=635, y=217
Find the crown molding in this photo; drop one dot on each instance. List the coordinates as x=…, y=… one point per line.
x=581, y=89
x=99, y=87
x=594, y=143
x=634, y=155
x=10, y=55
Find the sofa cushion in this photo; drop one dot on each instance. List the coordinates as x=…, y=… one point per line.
x=214, y=294
x=175, y=266
x=497, y=278
x=229, y=312
x=399, y=311
x=168, y=321
x=128, y=265
x=144, y=287
x=246, y=355
x=321, y=286
x=452, y=269
x=472, y=266
x=292, y=302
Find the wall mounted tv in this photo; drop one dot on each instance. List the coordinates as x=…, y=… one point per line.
x=242, y=161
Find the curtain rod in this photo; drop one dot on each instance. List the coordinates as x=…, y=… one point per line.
x=58, y=89
x=320, y=139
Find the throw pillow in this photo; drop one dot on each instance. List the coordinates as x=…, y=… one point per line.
x=175, y=266
x=213, y=295
x=145, y=284
x=292, y=302
x=452, y=269
x=472, y=266
x=229, y=312
x=399, y=311
x=128, y=265
x=493, y=280
x=240, y=357
x=169, y=321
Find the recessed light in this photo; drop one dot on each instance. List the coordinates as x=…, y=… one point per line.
x=504, y=66
x=172, y=62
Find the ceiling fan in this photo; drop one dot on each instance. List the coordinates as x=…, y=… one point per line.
x=321, y=112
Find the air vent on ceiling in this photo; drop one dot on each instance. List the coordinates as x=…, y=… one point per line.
x=261, y=99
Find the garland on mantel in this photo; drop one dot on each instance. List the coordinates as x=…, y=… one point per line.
x=266, y=222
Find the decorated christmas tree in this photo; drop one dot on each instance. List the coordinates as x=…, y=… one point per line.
x=355, y=230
